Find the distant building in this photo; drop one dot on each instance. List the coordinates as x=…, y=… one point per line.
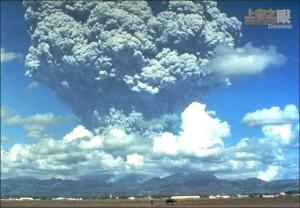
x=185, y=197
x=64, y=198
x=282, y=194
x=219, y=196
x=131, y=198
x=242, y=195
x=268, y=196
x=223, y=196
x=25, y=198
x=58, y=198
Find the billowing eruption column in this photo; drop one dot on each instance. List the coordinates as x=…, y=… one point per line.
x=118, y=63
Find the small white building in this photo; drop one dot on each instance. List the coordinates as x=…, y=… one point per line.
x=185, y=197
x=268, y=196
x=65, y=198
x=223, y=196
x=59, y=198
x=219, y=197
x=242, y=196
x=131, y=198
x=73, y=199
x=12, y=199
x=25, y=199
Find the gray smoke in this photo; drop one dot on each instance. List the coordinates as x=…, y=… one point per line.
x=118, y=63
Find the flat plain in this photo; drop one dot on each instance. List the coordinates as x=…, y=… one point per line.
x=144, y=203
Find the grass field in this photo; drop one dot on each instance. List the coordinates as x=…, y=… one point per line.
x=201, y=203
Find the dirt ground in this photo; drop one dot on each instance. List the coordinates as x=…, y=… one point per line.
x=201, y=203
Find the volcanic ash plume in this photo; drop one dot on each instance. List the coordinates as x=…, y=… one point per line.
x=118, y=63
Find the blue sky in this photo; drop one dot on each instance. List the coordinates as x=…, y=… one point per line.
x=14, y=84
x=272, y=87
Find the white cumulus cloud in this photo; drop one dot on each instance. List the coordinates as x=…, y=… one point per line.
x=201, y=134
x=9, y=56
x=246, y=60
x=273, y=115
x=78, y=133
x=198, y=145
x=135, y=159
x=282, y=133
x=270, y=173
x=35, y=125
x=76, y=153
x=280, y=127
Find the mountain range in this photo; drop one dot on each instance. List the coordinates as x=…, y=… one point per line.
x=180, y=183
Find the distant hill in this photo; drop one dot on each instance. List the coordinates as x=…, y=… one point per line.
x=181, y=183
